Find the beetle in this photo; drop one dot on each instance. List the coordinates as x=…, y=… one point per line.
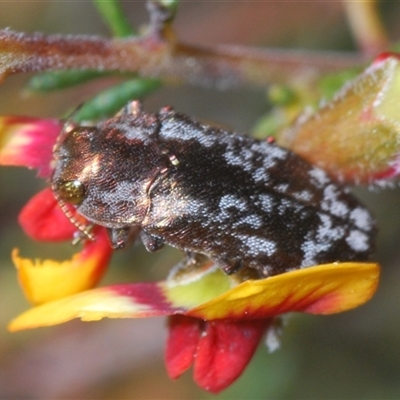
x=240, y=201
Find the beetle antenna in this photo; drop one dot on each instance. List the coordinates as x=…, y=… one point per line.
x=85, y=230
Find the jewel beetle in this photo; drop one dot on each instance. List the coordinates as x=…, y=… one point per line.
x=240, y=201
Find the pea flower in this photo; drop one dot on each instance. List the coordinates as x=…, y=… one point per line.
x=215, y=321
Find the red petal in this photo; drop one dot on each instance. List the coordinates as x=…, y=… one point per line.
x=183, y=337
x=42, y=219
x=224, y=350
x=28, y=142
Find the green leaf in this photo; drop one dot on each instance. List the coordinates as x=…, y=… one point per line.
x=114, y=17
x=56, y=80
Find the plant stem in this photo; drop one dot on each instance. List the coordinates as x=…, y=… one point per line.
x=152, y=56
x=366, y=26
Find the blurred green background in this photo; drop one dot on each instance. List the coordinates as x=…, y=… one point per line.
x=355, y=355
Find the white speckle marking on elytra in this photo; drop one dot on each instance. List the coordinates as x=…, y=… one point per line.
x=269, y=162
x=258, y=245
x=286, y=205
x=305, y=196
x=281, y=188
x=310, y=250
x=233, y=158
x=340, y=209
x=274, y=152
x=331, y=203
x=260, y=175
x=249, y=158
x=318, y=177
x=267, y=202
x=361, y=218
x=227, y=205
x=246, y=154
x=331, y=193
x=326, y=232
x=242, y=157
x=253, y=220
x=270, y=154
x=321, y=241
x=196, y=208
x=170, y=129
x=232, y=201
x=357, y=240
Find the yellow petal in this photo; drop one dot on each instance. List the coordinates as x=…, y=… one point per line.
x=46, y=280
x=324, y=289
x=91, y=305
x=136, y=300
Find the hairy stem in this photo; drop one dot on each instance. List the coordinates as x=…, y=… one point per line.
x=155, y=56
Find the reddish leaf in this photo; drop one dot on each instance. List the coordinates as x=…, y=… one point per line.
x=355, y=136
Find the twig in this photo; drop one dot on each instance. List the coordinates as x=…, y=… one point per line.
x=366, y=26
x=152, y=56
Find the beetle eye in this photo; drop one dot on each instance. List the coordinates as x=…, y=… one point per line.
x=72, y=192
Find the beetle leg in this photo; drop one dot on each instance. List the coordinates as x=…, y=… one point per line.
x=118, y=237
x=229, y=268
x=151, y=242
